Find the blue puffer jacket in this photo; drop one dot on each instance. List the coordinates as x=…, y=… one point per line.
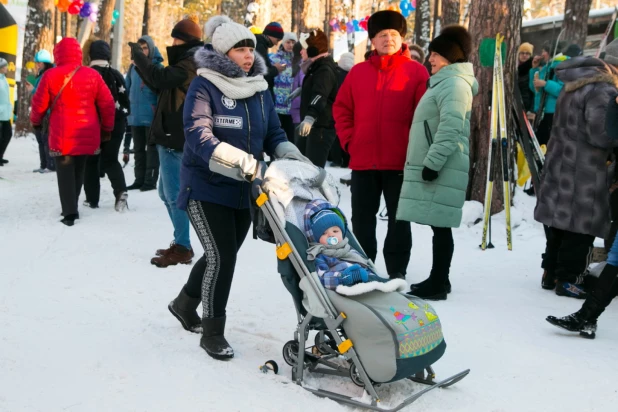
x=143, y=99
x=552, y=88
x=211, y=118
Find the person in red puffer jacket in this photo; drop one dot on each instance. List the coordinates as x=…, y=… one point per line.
x=80, y=118
x=373, y=113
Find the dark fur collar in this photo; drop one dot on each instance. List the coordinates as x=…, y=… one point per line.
x=599, y=78
x=208, y=58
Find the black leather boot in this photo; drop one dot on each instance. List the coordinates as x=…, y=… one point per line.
x=213, y=341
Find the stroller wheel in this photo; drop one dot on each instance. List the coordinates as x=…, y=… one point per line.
x=355, y=376
x=290, y=352
x=327, y=344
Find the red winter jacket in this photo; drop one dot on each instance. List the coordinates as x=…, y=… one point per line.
x=84, y=108
x=374, y=110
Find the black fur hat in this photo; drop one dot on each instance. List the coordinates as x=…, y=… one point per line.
x=386, y=20
x=454, y=44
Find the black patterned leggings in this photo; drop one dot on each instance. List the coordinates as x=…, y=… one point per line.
x=221, y=231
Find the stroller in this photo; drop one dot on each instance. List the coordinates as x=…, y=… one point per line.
x=373, y=338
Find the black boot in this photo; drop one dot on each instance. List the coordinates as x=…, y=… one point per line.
x=69, y=220
x=184, y=309
x=213, y=341
x=549, y=280
x=584, y=320
x=415, y=286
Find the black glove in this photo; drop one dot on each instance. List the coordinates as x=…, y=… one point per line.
x=429, y=175
x=258, y=177
x=135, y=48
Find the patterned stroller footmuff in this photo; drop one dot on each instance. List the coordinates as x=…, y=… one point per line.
x=380, y=336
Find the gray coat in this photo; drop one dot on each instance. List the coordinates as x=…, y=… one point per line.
x=574, y=193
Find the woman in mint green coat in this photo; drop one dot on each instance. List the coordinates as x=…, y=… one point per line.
x=437, y=162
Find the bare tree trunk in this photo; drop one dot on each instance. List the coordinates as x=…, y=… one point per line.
x=235, y=9
x=105, y=20
x=422, y=24
x=39, y=34
x=576, y=21
x=487, y=18
x=146, y=19
x=296, y=5
x=437, y=18
x=450, y=12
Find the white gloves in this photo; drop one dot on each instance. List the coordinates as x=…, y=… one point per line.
x=289, y=151
x=305, y=127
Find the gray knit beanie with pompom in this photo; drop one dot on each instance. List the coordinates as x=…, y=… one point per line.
x=224, y=33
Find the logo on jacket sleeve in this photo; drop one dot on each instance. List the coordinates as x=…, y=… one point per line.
x=228, y=103
x=228, y=122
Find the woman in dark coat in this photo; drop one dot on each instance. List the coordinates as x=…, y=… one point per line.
x=573, y=200
x=229, y=121
x=97, y=166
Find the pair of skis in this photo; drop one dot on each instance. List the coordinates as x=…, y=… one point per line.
x=499, y=141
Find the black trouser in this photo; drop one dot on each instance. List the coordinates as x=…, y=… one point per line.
x=442, y=249
x=105, y=163
x=367, y=189
x=46, y=161
x=221, y=231
x=543, y=132
x=146, y=157
x=70, y=174
x=567, y=254
x=317, y=145
x=337, y=155
x=613, y=229
x=6, y=132
x=287, y=125
x=127, y=138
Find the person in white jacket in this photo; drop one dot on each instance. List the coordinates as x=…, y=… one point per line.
x=6, y=111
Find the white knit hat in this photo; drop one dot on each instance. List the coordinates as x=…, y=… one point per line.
x=224, y=33
x=289, y=36
x=346, y=61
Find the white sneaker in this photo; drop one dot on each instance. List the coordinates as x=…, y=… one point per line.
x=47, y=171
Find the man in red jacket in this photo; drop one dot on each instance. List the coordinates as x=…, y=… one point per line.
x=82, y=114
x=373, y=114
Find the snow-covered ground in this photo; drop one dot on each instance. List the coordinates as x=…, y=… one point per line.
x=84, y=324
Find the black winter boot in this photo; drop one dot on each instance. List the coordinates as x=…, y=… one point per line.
x=213, y=341
x=184, y=309
x=584, y=320
x=549, y=280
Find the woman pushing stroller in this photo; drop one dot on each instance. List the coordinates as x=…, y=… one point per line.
x=229, y=121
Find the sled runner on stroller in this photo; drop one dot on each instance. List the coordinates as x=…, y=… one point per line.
x=372, y=338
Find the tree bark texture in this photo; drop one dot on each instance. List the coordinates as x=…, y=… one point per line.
x=575, y=23
x=235, y=9
x=105, y=20
x=146, y=18
x=422, y=24
x=450, y=12
x=39, y=34
x=488, y=18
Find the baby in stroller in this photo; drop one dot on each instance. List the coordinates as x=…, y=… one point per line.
x=337, y=263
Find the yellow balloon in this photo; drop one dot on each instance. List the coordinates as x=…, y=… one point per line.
x=30, y=66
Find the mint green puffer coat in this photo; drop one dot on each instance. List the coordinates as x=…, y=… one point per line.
x=439, y=141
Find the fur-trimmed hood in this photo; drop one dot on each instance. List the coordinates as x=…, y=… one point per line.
x=208, y=58
x=581, y=71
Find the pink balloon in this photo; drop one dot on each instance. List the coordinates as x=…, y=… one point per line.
x=93, y=17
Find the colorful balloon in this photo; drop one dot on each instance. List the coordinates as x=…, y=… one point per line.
x=74, y=8
x=86, y=10
x=116, y=14
x=349, y=27
x=63, y=5
x=93, y=17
